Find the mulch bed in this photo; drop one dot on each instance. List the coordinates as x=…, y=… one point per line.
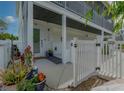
x=89, y=84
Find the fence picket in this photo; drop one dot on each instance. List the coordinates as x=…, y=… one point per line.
x=106, y=49
x=120, y=60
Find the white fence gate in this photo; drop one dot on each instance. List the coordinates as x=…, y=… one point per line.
x=84, y=58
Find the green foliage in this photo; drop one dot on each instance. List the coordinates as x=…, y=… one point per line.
x=35, y=79
x=115, y=10
x=50, y=51
x=4, y=36
x=25, y=85
x=8, y=77
x=89, y=15
x=28, y=56
x=14, y=75
x=28, y=85
x=20, y=71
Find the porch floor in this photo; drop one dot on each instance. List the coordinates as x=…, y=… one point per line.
x=56, y=74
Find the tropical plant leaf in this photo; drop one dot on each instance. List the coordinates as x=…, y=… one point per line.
x=115, y=10
x=89, y=15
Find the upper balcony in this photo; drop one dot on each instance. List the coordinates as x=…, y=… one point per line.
x=81, y=8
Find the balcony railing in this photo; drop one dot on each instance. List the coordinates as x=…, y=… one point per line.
x=81, y=8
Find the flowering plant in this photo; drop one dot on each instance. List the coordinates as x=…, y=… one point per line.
x=27, y=55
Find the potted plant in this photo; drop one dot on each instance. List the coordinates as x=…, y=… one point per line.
x=41, y=84
x=49, y=52
x=37, y=82
x=17, y=71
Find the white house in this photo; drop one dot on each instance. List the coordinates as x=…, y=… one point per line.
x=52, y=25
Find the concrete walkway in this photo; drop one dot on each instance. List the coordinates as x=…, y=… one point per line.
x=56, y=75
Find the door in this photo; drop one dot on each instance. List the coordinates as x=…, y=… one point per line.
x=36, y=42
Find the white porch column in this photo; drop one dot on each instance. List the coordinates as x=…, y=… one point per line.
x=64, y=53
x=21, y=31
x=30, y=25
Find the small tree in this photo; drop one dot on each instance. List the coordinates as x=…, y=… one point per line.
x=4, y=36
x=115, y=9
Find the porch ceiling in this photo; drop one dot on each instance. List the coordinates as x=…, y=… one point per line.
x=52, y=17
x=43, y=14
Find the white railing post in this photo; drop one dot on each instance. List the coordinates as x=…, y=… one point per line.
x=73, y=59
x=98, y=45
x=98, y=56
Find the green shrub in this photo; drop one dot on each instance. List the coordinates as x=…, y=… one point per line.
x=27, y=85
x=14, y=75
x=9, y=77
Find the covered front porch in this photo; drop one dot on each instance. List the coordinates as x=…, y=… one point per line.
x=53, y=31
x=50, y=30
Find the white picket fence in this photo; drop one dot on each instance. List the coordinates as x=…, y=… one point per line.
x=84, y=59
x=5, y=53
x=89, y=56
x=112, y=59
